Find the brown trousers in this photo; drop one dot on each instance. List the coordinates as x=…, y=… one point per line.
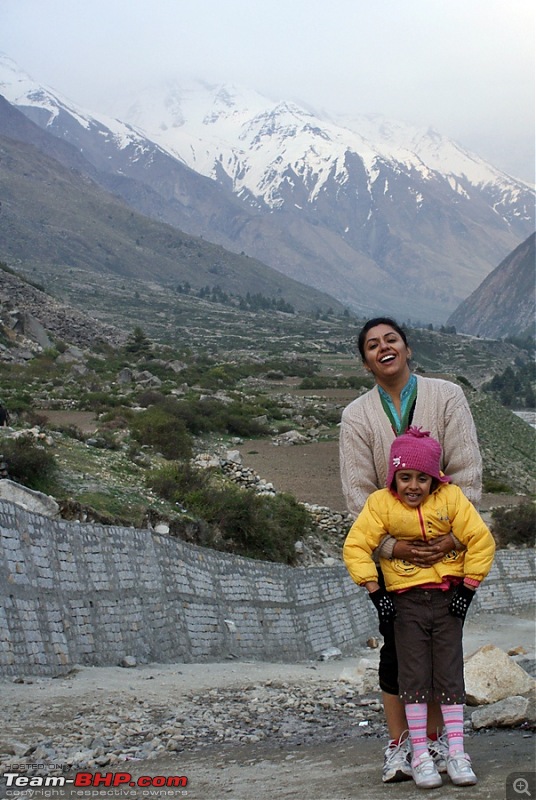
x=429, y=647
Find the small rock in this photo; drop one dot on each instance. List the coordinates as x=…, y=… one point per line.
x=517, y=651
x=329, y=654
x=504, y=714
x=234, y=456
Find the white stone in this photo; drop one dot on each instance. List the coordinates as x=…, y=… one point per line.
x=364, y=675
x=234, y=456
x=329, y=654
x=504, y=714
x=491, y=675
x=206, y=461
x=162, y=527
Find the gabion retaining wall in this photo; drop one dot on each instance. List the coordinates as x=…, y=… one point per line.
x=74, y=593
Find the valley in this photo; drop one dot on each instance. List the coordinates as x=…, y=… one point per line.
x=377, y=215
x=295, y=372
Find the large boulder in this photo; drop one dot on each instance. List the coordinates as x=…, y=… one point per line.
x=491, y=675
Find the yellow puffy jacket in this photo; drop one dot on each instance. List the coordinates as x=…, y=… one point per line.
x=444, y=510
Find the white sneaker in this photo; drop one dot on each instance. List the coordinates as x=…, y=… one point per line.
x=460, y=771
x=424, y=772
x=396, y=766
x=439, y=750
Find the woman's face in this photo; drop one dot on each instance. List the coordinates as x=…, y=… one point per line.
x=386, y=355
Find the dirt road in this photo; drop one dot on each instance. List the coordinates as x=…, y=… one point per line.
x=343, y=763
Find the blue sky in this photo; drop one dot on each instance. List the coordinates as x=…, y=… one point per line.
x=465, y=67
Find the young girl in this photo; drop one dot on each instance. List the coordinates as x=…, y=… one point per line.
x=428, y=604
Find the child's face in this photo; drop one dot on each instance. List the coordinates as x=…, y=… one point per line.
x=412, y=486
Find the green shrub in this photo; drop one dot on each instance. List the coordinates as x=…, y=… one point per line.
x=492, y=485
x=163, y=431
x=19, y=402
x=98, y=401
x=317, y=382
x=235, y=520
x=205, y=415
x=150, y=397
x=138, y=344
x=244, y=425
x=515, y=526
x=34, y=418
x=324, y=382
x=173, y=482
x=72, y=432
x=255, y=526
x=29, y=463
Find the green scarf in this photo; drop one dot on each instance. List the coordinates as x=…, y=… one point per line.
x=408, y=396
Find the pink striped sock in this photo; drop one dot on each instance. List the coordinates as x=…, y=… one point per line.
x=453, y=717
x=416, y=714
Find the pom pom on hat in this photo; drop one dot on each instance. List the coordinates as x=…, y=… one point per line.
x=416, y=449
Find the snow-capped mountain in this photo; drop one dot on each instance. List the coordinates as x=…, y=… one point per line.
x=383, y=216
x=124, y=159
x=256, y=142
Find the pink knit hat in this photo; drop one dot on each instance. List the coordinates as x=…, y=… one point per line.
x=416, y=449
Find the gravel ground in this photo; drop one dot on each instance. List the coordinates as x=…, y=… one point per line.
x=245, y=730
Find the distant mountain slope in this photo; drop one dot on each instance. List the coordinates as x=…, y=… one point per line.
x=381, y=216
x=505, y=302
x=57, y=216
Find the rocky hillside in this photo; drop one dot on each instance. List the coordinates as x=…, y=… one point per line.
x=505, y=302
x=56, y=359
x=33, y=321
x=75, y=309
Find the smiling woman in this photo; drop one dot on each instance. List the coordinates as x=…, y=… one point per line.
x=399, y=399
x=369, y=426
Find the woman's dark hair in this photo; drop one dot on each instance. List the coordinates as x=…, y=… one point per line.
x=371, y=323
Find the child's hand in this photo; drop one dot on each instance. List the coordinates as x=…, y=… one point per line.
x=423, y=554
x=461, y=600
x=384, y=605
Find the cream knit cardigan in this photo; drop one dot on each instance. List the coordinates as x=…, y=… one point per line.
x=366, y=436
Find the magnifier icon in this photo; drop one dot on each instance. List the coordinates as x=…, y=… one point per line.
x=521, y=786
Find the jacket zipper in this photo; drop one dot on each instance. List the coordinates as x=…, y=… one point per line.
x=421, y=523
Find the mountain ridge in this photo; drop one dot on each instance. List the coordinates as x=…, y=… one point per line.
x=412, y=241
x=505, y=302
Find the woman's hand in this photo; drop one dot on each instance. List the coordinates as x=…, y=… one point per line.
x=423, y=554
